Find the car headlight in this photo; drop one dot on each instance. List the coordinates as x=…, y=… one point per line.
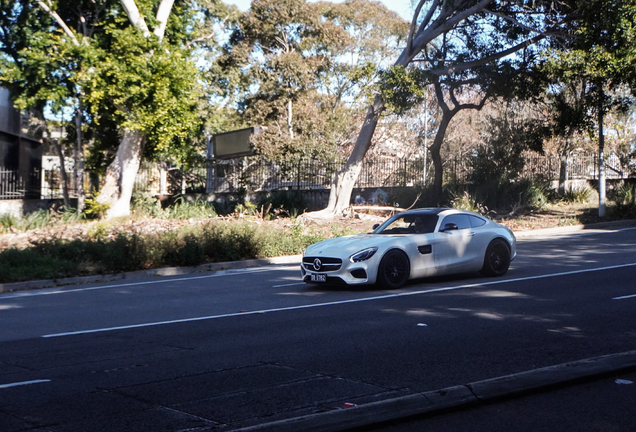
x=363, y=255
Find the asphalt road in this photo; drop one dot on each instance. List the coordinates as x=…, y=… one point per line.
x=223, y=350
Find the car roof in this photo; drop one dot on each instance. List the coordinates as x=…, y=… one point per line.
x=431, y=210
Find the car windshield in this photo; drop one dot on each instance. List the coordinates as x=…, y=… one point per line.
x=414, y=223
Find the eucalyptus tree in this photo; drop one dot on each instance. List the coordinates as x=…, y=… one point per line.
x=127, y=65
x=303, y=69
x=486, y=35
x=602, y=57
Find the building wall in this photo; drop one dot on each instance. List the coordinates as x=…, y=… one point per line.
x=19, y=152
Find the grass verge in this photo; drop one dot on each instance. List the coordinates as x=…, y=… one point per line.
x=216, y=241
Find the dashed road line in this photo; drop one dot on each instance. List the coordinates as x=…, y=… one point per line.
x=23, y=383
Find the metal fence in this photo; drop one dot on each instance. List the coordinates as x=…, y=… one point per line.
x=14, y=185
x=255, y=175
x=580, y=166
x=251, y=175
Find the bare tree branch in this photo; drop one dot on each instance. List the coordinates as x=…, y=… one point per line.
x=135, y=17
x=441, y=25
x=163, y=13
x=59, y=21
x=425, y=21
x=477, y=63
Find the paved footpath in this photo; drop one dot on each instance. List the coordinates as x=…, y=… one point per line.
x=606, y=404
x=460, y=397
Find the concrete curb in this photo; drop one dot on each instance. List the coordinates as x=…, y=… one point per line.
x=452, y=397
x=168, y=271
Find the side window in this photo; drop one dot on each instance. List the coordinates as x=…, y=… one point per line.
x=461, y=221
x=476, y=221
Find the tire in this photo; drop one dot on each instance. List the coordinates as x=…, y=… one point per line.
x=497, y=258
x=394, y=269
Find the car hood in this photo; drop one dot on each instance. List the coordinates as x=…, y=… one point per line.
x=346, y=246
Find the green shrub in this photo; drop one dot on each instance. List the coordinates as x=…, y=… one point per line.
x=7, y=221
x=95, y=209
x=578, y=195
x=623, y=197
x=533, y=193
x=284, y=203
x=191, y=245
x=418, y=196
x=467, y=202
x=183, y=209
x=70, y=215
x=622, y=194
x=146, y=204
x=21, y=265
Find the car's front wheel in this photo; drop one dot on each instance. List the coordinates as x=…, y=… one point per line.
x=497, y=258
x=394, y=269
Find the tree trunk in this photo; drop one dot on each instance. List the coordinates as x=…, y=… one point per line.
x=601, y=165
x=79, y=162
x=120, y=176
x=342, y=185
x=290, y=125
x=63, y=176
x=564, y=162
x=438, y=178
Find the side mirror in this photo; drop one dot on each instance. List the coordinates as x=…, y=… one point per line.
x=450, y=227
x=375, y=226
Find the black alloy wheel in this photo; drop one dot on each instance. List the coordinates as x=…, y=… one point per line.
x=497, y=259
x=394, y=269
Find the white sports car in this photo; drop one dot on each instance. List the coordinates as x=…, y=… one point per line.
x=413, y=244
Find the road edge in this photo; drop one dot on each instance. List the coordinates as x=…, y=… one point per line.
x=140, y=274
x=230, y=265
x=418, y=404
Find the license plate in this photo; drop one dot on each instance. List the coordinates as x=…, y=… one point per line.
x=319, y=278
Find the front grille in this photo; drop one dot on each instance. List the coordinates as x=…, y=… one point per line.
x=324, y=264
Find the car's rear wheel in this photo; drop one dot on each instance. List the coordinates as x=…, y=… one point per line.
x=394, y=269
x=497, y=258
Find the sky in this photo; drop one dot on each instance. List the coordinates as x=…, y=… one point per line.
x=402, y=7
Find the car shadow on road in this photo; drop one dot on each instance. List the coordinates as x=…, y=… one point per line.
x=410, y=285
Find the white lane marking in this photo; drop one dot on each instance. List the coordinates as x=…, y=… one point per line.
x=23, y=383
x=290, y=284
x=122, y=285
x=335, y=303
x=624, y=297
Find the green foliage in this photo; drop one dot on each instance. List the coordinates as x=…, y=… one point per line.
x=623, y=194
x=70, y=215
x=402, y=89
x=94, y=209
x=534, y=193
x=187, y=246
x=417, y=196
x=38, y=219
x=501, y=159
x=467, y=202
x=7, y=221
x=19, y=265
x=305, y=71
x=577, y=195
x=624, y=202
x=146, y=204
x=480, y=197
x=182, y=209
x=284, y=203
